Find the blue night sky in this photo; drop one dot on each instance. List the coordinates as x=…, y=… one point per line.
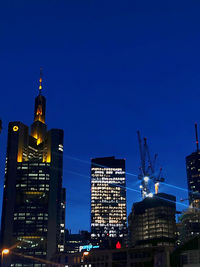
x=110, y=68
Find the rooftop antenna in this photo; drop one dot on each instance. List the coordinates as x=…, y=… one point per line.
x=197, y=141
x=40, y=80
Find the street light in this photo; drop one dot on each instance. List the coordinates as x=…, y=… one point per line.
x=146, y=179
x=5, y=251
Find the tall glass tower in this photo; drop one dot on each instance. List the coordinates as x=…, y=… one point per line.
x=193, y=175
x=108, y=199
x=33, y=211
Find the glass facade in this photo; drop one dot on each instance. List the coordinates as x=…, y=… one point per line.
x=31, y=208
x=193, y=178
x=108, y=198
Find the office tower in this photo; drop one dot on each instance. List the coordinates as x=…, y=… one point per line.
x=33, y=201
x=193, y=175
x=108, y=198
x=152, y=221
x=189, y=223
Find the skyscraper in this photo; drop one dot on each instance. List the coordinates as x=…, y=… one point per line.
x=108, y=198
x=189, y=224
x=152, y=221
x=193, y=175
x=33, y=202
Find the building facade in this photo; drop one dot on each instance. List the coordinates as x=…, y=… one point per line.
x=33, y=213
x=193, y=178
x=108, y=199
x=189, y=224
x=187, y=254
x=124, y=257
x=193, y=175
x=73, y=242
x=152, y=221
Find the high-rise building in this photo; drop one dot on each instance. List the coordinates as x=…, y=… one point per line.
x=189, y=224
x=33, y=214
x=193, y=175
x=152, y=221
x=108, y=198
x=189, y=221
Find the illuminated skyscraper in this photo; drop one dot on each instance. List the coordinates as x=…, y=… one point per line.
x=108, y=198
x=190, y=219
x=193, y=175
x=34, y=201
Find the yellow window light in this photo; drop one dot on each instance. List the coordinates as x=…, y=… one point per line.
x=31, y=237
x=33, y=193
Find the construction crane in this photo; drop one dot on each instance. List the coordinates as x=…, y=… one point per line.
x=184, y=199
x=148, y=173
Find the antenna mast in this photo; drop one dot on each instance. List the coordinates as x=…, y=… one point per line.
x=196, y=133
x=40, y=80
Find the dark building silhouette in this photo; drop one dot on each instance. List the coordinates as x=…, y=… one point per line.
x=33, y=214
x=73, y=242
x=124, y=257
x=189, y=224
x=152, y=221
x=189, y=221
x=193, y=178
x=108, y=199
x=187, y=254
x=193, y=175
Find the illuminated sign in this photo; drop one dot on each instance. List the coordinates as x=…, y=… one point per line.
x=15, y=128
x=87, y=247
x=118, y=245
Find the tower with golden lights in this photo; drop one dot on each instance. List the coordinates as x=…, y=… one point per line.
x=33, y=213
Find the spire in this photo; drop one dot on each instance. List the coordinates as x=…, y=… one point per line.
x=40, y=81
x=197, y=141
x=40, y=103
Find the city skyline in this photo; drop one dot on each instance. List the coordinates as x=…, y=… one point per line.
x=127, y=173
x=124, y=76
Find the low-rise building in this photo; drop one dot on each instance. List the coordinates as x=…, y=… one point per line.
x=73, y=242
x=124, y=257
x=187, y=254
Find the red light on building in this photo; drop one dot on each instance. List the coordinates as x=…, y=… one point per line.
x=118, y=245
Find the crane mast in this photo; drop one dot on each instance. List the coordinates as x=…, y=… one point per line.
x=148, y=173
